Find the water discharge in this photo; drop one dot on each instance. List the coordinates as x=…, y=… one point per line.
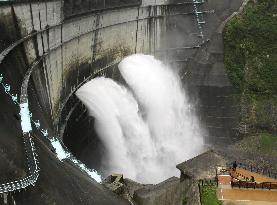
x=147, y=128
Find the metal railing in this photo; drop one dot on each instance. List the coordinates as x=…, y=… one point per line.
x=33, y=169
x=254, y=185
x=246, y=183
x=30, y=151
x=263, y=171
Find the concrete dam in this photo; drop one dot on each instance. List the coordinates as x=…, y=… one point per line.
x=49, y=49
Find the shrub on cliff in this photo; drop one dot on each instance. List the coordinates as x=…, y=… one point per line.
x=250, y=45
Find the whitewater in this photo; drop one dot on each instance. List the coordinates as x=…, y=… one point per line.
x=148, y=126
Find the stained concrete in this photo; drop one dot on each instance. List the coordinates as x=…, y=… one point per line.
x=77, y=47
x=169, y=192
x=202, y=166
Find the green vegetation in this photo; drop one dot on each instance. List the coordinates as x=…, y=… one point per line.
x=268, y=144
x=263, y=143
x=250, y=57
x=251, y=48
x=208, y=195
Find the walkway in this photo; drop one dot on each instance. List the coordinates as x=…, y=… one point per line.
x=247, y=195
x=236, y=196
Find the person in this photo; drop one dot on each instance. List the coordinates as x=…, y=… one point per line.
x=252, y=179
x=235, y=165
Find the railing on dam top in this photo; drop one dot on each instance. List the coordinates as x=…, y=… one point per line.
x=70, y=12
x=75, y=8
x=30, y=151
x=33, y=169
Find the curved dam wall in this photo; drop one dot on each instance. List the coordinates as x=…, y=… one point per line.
x=67, y=43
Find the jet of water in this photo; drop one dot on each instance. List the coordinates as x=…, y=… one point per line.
x=174, y=127
x=146, y=130
x=121, y=128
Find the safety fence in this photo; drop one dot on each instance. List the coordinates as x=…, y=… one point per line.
x=26, y=119
x=75, y=8
x=239, y=180
x=254, y=185
x=30, y=151
x=262, y=170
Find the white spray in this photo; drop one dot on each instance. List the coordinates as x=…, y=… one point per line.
x=148, y=135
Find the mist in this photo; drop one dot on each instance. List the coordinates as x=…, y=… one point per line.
x=148, y=126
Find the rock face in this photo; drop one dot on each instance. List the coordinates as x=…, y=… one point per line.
x=69, y=49
x=202, y=166
x=169, y=192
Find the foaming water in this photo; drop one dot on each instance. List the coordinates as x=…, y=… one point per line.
x=148, y=128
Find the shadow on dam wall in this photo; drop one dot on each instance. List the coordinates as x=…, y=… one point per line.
x=74, y=41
